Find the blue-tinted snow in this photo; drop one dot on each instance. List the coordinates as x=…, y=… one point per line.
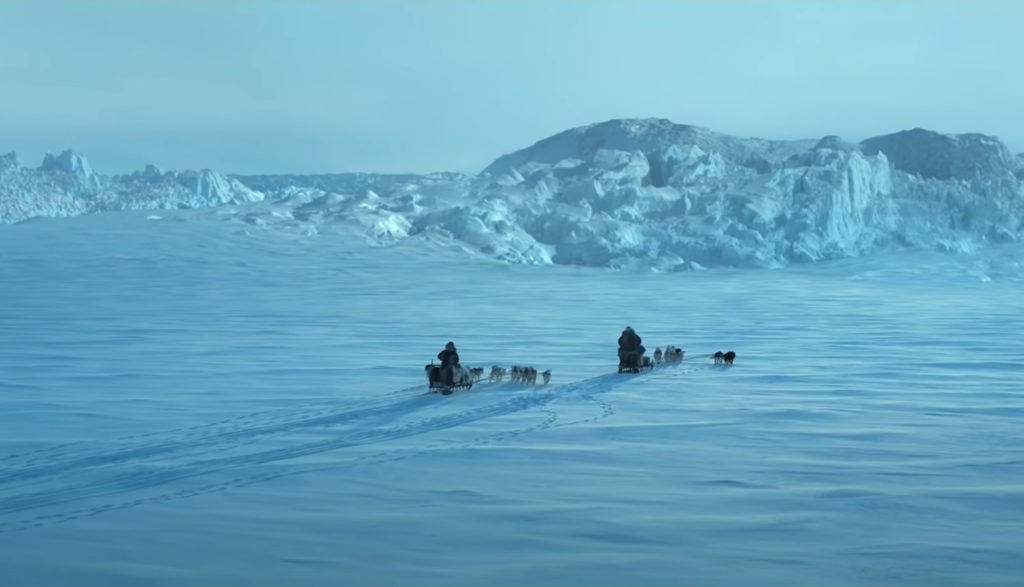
x=226, y=396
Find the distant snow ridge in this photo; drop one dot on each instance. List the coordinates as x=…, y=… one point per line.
x=623, y=193
x=65, y=185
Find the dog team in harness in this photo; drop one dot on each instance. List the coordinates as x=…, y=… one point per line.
x=632, y=359
x=450, y=374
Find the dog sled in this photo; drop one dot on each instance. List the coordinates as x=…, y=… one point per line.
x=634, y=362
x=457, y=378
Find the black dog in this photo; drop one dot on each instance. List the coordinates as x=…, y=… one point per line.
x=726, y=358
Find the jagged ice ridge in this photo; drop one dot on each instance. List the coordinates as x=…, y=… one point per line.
x=623, y=193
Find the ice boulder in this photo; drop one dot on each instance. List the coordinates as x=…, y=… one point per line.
x=934, y=155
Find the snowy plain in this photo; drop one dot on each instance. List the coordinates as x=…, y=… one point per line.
x=190, y=398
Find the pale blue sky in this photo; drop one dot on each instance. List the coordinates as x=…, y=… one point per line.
x=416, y=86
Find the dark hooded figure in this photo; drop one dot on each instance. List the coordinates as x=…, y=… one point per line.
x=449, y=358
x=629, y=347
x=629, y=340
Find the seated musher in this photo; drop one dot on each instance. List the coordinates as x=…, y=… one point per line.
x=449, y=360
x=630, y=350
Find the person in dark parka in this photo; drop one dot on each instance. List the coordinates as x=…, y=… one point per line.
x=629, y=340
x=629, y=347
x=449, y=358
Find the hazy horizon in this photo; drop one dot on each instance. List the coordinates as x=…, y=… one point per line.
x=393, y=87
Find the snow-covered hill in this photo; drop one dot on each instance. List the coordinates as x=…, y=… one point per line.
x=623, y=193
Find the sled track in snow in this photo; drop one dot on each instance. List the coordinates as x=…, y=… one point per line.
x=64, y=483
x=72, y=449
x=194, y=440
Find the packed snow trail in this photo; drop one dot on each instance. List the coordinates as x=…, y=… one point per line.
x=62, y=483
